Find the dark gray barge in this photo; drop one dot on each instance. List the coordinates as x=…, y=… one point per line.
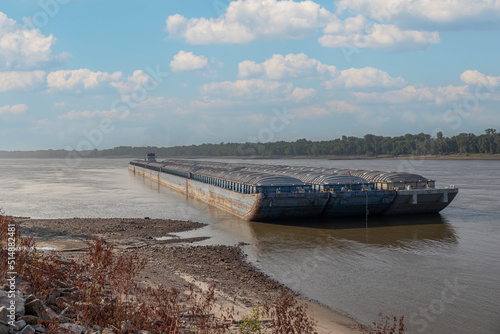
x=267, y=192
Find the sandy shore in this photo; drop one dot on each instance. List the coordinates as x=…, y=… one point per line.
x=177, y=262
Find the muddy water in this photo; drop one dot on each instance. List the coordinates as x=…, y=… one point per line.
x=441, y=271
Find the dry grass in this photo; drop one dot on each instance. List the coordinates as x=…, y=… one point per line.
x=387, y=325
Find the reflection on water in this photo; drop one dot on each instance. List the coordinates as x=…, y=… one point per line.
x=392, y=232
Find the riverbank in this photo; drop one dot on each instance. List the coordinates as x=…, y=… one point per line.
x=457, y=156
x=239, y=285
x=478, y=156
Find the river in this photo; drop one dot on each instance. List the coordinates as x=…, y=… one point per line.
x=442, y=272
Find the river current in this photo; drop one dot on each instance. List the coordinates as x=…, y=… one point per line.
x=442, y=272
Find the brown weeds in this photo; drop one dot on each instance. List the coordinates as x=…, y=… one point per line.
x=387, y=325
x=288, y=316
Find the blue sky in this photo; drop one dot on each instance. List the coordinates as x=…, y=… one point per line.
x=85, y=74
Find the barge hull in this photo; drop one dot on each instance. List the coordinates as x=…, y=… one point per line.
x=312, y=203
x=243, y=205
x=271, y=206
x=350, y=203
x=421, y=201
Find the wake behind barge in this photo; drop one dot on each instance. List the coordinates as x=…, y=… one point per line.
x=269, y=192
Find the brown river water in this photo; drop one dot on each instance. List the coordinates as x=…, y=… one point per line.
x=442, y=272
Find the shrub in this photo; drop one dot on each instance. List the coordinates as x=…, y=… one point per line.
x=387, y=325
x=252, y=323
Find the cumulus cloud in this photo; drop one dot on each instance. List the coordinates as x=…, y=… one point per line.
x=231, y=93
x=218, y=103
x=247, y=20
x=341, y=107
x=17, y=80
x=85, y=79
x=425, y=12
x=302, y=94
x=134, y=81
x=364, y=77
x=291, y=66
x=187, y=61
x=380, y=36
x=111, y=114
x=412, y=94
x=249, y=89
x=16, y=109
x=474, y=77
x=82, y=78
x=22, y=48
x=284, y=67
x=320, y=111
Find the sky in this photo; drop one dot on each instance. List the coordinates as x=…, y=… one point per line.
x=88, y=74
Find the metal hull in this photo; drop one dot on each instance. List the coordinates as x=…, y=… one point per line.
x=242, y=205
x=421, y=201
x=275, y=205
x=357, y=202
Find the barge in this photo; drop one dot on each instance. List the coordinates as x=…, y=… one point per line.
x=270, y=192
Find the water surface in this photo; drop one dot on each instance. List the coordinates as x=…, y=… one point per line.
x=441, y=271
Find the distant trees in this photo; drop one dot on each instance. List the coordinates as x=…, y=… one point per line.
x=369, y=145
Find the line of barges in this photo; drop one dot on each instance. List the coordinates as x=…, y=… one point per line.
x=269, y=192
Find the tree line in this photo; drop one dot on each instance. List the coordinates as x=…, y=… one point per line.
x=369, y=145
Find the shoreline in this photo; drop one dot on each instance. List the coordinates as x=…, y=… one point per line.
x=455, y=156
x=175, y=262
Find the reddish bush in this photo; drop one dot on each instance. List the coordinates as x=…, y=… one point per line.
x=386, y=325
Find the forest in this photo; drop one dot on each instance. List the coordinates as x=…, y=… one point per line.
x=369, y=145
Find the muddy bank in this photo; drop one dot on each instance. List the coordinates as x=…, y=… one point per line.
x=223, y=266
x=72, y=234
x=175, y=263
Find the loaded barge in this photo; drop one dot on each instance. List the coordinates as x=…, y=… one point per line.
x=268, y=192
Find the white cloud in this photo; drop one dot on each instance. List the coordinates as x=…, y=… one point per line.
x=364, y=77
x=249, y=89
x=310, y=112
x=480, y=12
x=86, y=79
x=214, y=103
x=341, y=107
x=17, y=80
x=474, y=77
x=412, y=94
x=187, y=61
x=111, y=114
x=283, y=67
x=247, y=20
x=329, y=108
x=16, y=109
x=301, y=66
x=61, y=104
x=22, y=48
x=133, y=82
x=82, y=78
x=302, y=94
x=380, y=36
